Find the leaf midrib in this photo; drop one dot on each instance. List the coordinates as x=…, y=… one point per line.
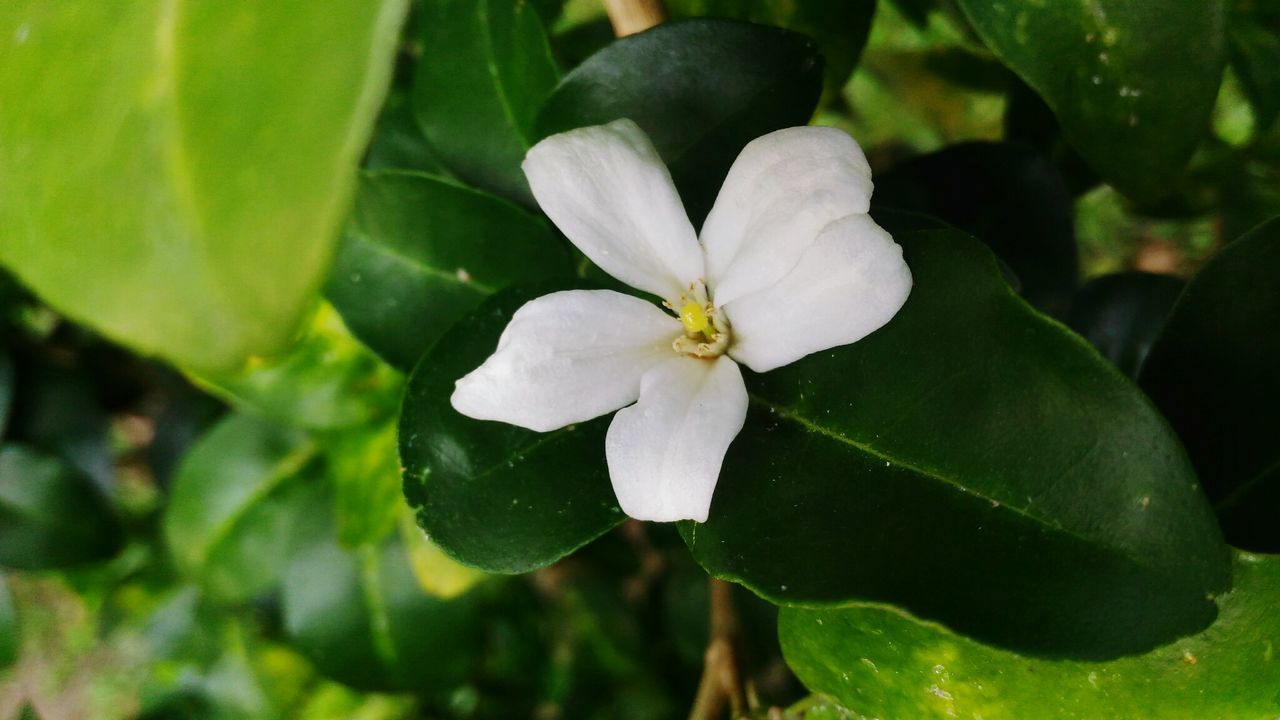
x=421, y=268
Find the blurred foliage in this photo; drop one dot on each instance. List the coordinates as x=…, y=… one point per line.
x=229, y=538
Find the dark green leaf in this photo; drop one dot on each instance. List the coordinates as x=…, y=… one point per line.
x=1132, y=83
x=1010, y=197
x=975, y=463
x=1122, y=313
x=701, y=89
x=1215, y=373
x=882, y=662
x=10, y=637
x=840, y=28
x=398, y=143
x=6, y=390
x=51, y=516
x=1255, y=56
x=243, y=502
x=181, y=187
x=420, y=253
x=492, y=495
x=484, y=71
x=362, y=618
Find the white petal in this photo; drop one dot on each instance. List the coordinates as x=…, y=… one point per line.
x=608, y=191
x=665, y=451
x=850, y=282
x=781, y=191
x=568, y=357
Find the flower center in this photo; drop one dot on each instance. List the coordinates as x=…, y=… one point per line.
x=706, y=330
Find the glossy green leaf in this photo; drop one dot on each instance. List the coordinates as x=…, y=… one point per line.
x=840, y=28
x=51, y=516
x=701, y=89
x=1132, y=83
x=496, y=496
x=398, y=142
x=1215, y=373
x=1122, y=313
x=325, y=380
x=362, y=618
x=181, y=187
x=1006, y=195
x=243, y=502
x=881, y=662
x=10, y=638
x=484, y=71
x=975, y=463
x=420, y=253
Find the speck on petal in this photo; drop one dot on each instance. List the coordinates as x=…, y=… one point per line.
x=665, y=451
x=568, y=357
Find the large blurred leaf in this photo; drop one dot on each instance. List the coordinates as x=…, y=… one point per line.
x=1008, y=196
x=496, y=496
x=1122, y=313
x=484, y=71
x=50, y=515
x=840, y=28
x=420, y=253
x=1215, y=373
x=10, y=640
x=882, y=662
x=365, y=473
x=1133, y=83
x=243, y=502
x=701, y=89
x=1254, y=47
x=325, y=380
x=362, y=618
x=180, y=186
x=977, y=464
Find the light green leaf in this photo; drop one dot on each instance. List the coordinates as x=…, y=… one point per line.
x=175, y=173
x=1133, y=83
x=879, y=661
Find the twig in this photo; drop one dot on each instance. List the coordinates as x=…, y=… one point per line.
x=632, y=16
x=721, y=683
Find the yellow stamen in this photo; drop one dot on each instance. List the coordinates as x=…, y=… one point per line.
x=694, y=318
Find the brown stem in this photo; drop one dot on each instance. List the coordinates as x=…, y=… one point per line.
x=720, y=684
x=632, y=16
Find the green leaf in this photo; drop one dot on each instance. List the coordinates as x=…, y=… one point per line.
x=840, y=28
x=180, y=188
x=1122, y=313
x=325, y=380
x=243, y=502
x=6, y=390
x=976, y=463
x=398, y=142
x=50, y=515
x=701, y=89
x=362, y=618
x=420, y=253
x=879, y=661
x=1255, y=56
x=365, y=473
x=10, y=630
x=1133, y=83
x=495, y=496
x=484, y=71
x=1009, y=197
x=1215, y=373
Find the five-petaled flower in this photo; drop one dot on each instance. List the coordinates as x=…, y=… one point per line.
x=788, y=263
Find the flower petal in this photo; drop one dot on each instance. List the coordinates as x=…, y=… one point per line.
x=608, y=191
x=665, y=451
x=850, y=282
x=568, y=357
x=781, y=191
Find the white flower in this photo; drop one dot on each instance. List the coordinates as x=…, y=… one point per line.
x=788, y=264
